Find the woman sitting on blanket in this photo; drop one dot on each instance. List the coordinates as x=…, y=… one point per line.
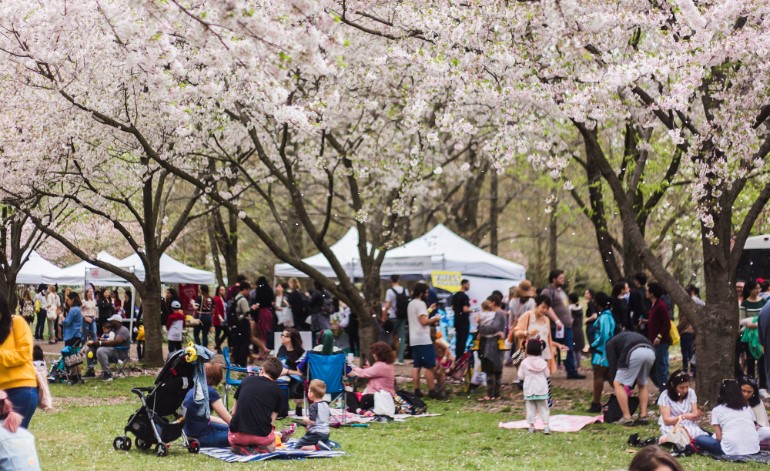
x=381, y=376
x=750, y=391
x=679, y=405
x=733, y=421
x=209, y=431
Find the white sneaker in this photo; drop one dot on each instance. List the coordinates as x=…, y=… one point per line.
x=547, y=430
x=399, y=363
x=531, y=429
x=763, y=394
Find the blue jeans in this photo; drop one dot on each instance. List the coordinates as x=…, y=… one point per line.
x=569, y=342
x=201, y=332
x=24, y=402
x=709, y=444
x=215, y=436
x=660, y=370
x=687, y=344
x=400, y=332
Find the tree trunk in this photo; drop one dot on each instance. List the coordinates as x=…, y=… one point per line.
x=210, y=229
x=632, y=262
x=552, y=241
x=493, y=213
x=371, y=309
x=715, y=345
x=151, y=294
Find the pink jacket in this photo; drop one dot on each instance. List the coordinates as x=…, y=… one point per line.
x=381, y=377
x=534, y=372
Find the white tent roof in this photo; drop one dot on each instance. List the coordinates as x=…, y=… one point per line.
x=79, y=273
x=450, y=252
x=35, y=269
x=447, y=251
x=346, y=251
x=757, y=242
x=171, y=271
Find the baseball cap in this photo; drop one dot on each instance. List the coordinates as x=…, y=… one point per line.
x=115, y=317
x=176, y=304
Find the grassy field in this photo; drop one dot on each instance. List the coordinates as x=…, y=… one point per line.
x=79, y=434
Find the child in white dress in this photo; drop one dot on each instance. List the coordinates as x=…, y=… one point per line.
x=679, y=404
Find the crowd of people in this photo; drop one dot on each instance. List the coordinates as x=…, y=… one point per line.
x=625, y=336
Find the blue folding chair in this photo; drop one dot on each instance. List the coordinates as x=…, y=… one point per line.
x=332, y=370
x=230, y=381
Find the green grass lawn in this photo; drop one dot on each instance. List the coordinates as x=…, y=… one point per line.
x=79, y=434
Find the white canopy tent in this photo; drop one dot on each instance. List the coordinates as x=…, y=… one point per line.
x=346, y=252
x=171, y=271
x=82, y=273
x=35, y=269
x=438, y=250
x=450, y=252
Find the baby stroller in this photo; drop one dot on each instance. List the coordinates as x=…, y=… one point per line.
x=461, y=371
x=59, y=372
x=157, y=422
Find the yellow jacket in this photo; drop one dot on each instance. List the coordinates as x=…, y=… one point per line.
x=16, y=369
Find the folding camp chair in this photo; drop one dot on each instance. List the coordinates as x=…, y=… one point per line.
x=122, y=362
x=332, y=370
x=230, y=381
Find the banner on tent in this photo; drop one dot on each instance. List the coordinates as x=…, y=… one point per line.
x=406, y=265
x=446, y=280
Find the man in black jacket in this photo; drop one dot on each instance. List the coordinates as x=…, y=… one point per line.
x=630, y=356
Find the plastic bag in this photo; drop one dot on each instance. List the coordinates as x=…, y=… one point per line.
x=384, y=404
x=44, y=398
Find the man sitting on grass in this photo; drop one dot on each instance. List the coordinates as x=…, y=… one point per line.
x=256, y=406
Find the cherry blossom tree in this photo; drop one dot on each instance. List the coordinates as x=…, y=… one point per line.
x=80, y=128
x=694, y=74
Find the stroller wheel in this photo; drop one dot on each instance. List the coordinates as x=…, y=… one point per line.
x=121, y=443
x=162, y=449
x=194, y=446
x=142, y=444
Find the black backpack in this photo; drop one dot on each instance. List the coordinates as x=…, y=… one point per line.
x=402, y=303
x=231, y=316
x=411, y=404
x=611, y=410
x=327, y=307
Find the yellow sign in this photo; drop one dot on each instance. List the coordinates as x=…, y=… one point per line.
x=446, y=280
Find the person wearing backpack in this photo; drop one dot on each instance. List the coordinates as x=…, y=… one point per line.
x=321, y=307
x=395, y=309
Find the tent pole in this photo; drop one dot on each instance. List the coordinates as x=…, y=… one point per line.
x=131, y=315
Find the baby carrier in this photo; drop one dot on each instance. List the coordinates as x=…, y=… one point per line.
x=158, y=421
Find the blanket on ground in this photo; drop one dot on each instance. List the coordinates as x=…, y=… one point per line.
x=558, y=423
x=225, y=454
x=761, y=457
x=351, y=418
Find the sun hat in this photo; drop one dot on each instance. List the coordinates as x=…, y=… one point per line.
x=525, y=290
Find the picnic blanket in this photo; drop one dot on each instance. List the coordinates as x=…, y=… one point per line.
x=558, y=423
x=225, y=454
x=761, y=457
x=351, y=418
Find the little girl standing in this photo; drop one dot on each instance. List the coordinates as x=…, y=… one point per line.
x=535, y=373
